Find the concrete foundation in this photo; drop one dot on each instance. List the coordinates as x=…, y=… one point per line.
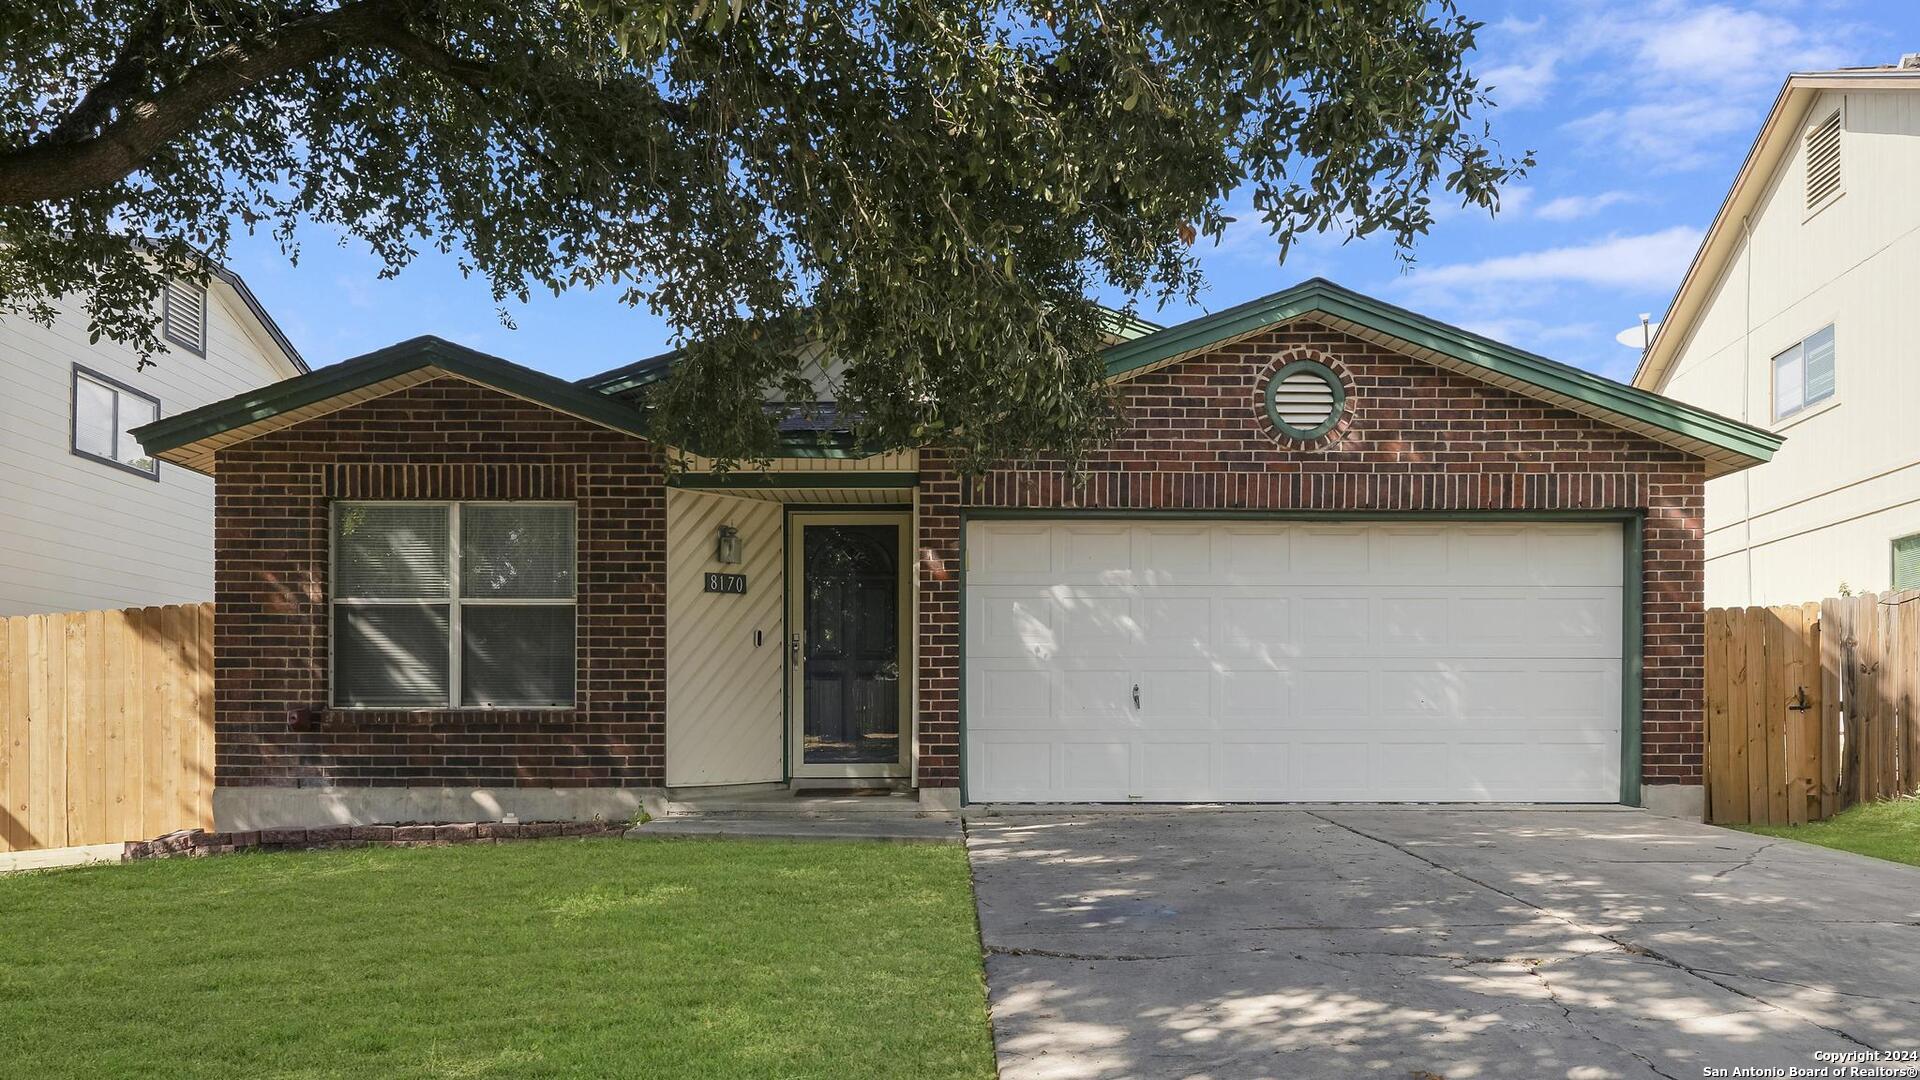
x=243, y=809
x=945, y=800
x=1686, y=801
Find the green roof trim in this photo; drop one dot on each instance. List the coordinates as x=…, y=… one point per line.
x=763, y=481
x=1322, y=297
x=382, y=364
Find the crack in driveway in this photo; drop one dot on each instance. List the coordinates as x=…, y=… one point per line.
x=1703, y=974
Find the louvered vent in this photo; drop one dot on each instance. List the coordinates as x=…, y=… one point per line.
x=1823, y=160
x=1304, y=400
x=184, y=315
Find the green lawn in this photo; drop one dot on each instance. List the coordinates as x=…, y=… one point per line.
x=1885, y=830
x=601, y=958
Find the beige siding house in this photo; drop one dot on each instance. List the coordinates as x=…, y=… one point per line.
x=90, y=521
x=1801, y=314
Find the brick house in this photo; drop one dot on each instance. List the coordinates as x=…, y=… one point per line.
x=1339, y=552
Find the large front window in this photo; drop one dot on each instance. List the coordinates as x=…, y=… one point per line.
x=453, y=605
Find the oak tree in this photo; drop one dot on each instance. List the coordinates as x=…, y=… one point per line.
x=929, y=190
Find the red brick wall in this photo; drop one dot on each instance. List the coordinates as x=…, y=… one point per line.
x=1417, y=438
x=445, y=439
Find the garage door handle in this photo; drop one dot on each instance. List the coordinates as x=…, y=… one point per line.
x=1136, y=695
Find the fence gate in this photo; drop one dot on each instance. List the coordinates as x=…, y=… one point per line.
x=1810, y=707
x=1767, y=762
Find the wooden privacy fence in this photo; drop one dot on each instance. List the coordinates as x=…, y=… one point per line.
x=1810, y=707
x=106, y=725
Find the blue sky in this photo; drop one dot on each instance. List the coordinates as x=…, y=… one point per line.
x=1639, y=114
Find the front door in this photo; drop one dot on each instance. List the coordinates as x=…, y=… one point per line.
x=847, y=675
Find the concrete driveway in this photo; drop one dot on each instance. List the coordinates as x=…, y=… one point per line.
x=1430, y=943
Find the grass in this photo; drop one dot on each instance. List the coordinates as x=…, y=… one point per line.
x=1885, y=830
x=596, y=958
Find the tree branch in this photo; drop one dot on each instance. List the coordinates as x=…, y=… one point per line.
x=122, y=78
x=52, y=169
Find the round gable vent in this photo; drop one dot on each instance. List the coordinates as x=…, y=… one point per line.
x=1304, y=400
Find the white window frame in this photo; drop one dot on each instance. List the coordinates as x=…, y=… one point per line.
x=120, y=390
x=1773, y=377
x=453, y=600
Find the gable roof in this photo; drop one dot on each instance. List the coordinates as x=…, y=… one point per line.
x=193, y=437
x=238, y=286
x=1771, y=148
x=1726, y=444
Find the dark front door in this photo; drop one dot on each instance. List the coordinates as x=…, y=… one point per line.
x=851, y=615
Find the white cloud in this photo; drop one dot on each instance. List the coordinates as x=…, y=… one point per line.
x=1517, y=86
x=1665, y=136
x=1650, y=260
x=1724, y=46
x=1575, y=207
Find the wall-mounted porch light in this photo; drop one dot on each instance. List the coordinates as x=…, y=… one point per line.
x=728, y=548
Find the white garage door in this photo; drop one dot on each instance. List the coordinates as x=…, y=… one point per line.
x=1109, y=661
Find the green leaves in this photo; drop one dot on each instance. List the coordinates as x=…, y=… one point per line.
x=923, y=193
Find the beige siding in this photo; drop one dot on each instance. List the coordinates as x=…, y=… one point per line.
x=1847, y=482
x=77, y=534
x=724, y=709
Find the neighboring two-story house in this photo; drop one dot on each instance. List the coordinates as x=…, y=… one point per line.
x=1801, y=313
x=90, y=520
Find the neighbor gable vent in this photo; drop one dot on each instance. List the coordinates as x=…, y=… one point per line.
x=183, y=315
x=1823, y=160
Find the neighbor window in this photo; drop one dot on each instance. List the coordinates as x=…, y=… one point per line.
x=1803, y=375
x=453, y=605
x=104, y=411
x=1906, y=563
x=183, y=315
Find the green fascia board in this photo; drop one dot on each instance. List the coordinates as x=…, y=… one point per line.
x=382, y=364
x=631, y=376
x=790, y=480
x=1319, y=296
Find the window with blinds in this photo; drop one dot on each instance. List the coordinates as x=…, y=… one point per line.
x=1823, y=160
x=453, y=605
x=183, y=315
x=1803, y=374
x=1906, y=563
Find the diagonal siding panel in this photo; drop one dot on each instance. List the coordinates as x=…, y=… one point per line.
x=723, y=694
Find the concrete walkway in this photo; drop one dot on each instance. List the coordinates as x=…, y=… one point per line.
x=775, y=813
x=1429, y=943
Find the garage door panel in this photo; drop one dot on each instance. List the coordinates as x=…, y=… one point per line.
x=1095, y=553
x=1392, y=662
x=1023, y=768
x=1250, y=770
x=1172, y=769
x=1012, y=624
x=1333, y=625
x=1251, y=556
x=1017, y=697
x=1093, y=769
x=1095, y=697
x=1331, y=555
x=1175, y=556
x=1412, y=554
